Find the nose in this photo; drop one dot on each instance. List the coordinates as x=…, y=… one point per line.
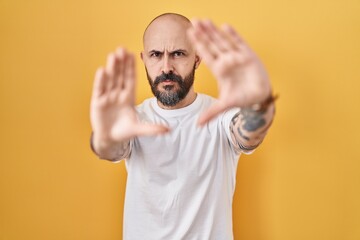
x=167, y=65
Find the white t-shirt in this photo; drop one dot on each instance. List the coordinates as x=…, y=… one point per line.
x=181, y=185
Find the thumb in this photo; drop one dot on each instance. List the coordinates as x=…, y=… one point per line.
x=211, y=112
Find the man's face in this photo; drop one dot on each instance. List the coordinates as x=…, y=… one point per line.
x=170, y=60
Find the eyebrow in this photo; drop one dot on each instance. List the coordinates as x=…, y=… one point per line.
x=177, y=50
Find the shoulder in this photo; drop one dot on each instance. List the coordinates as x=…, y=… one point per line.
x=146, y=104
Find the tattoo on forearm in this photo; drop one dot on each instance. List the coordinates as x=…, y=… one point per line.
x=233, y=121
x=253, y=120
x=242, y=134
x=238, y=143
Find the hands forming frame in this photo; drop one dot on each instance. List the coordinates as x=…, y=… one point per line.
x=242, y=82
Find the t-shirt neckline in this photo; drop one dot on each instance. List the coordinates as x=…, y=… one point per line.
x=177, y=112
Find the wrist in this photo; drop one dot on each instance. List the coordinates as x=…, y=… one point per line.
x=263, y=105
x=108, y=150
x=99, y=144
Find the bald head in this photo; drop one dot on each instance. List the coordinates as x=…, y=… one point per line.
x=167, y=23
x=169, y=55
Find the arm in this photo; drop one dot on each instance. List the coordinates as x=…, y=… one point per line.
x=249, y=126
x=112, y=113
x=242, y=82
x=113, y=152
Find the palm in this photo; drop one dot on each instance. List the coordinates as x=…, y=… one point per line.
x=115, y=118
x=238, y=82
x=242, y=79
x=113, y=115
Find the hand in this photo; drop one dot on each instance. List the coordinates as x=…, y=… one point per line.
x=242, y=79
x=113, y=115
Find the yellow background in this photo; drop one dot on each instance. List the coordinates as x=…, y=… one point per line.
x=302, y=183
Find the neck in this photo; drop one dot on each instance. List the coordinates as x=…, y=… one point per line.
x=189, y=99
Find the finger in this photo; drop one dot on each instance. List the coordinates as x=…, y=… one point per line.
x=151, y=130
x=119, y=77
x=111, y=70
x=129, y=73
x=205, y=28
x=210, y=113
x=100, y=82
x=233, y=35
x=201, y=47
x=205, y=36
x=219, y=39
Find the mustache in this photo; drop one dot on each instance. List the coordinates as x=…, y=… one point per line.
x=166, y=77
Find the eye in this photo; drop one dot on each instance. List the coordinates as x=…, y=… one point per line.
x=178, y=54
x=155, y=54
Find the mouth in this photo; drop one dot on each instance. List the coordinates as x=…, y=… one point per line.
x=168, y=82
x=168, y=85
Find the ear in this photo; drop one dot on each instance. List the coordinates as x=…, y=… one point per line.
x=197, y=61
x=142, y=56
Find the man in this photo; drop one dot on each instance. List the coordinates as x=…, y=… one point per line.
x=181, y=148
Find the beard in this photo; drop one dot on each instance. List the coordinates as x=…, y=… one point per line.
x=171, y=95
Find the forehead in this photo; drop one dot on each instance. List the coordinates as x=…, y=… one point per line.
x=167, y=33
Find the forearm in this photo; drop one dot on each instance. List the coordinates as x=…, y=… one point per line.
x=108, y=150
x=249, y=126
